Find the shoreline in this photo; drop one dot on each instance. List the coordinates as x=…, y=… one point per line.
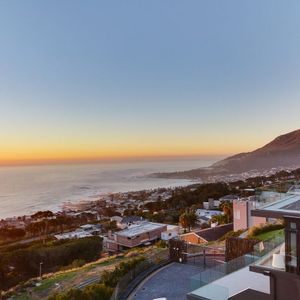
x=89, y=199
x=25, y=190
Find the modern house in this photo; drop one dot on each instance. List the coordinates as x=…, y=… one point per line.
x=83, y=231
x=124, y=222
x=118, y=220
x=131, y=220
x=206, y=235
x=171, y=233
x=135, y=235
x=273, y=275
x=205, y=215
x=242, y=218
x=229, y=198
x=211, y=204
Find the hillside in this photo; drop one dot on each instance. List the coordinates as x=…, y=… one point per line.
x=283, y=151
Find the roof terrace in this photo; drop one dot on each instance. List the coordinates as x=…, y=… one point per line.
x=140, y=228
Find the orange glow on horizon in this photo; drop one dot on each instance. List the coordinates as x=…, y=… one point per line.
x=40, y=155
x=32, y=150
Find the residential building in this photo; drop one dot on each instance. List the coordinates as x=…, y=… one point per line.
x=211, y=204
x=77, y=234
x=118, y=221
x=135, y=235
x=124, y=222
x=171, y=232
x=83, y=231
x=242, y=218
x=206, y=235
x=131, y=220
x=205, y=215
x=273, y=275
x=229, y=198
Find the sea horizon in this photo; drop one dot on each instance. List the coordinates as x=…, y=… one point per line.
x=26, y=189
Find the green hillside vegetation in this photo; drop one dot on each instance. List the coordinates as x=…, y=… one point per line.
x=19, y=265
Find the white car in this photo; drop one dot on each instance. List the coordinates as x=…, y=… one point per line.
x=160, y=299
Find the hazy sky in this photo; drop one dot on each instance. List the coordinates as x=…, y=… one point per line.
x=131, y=78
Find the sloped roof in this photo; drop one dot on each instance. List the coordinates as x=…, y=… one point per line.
x=229, y=198
x=214, y=233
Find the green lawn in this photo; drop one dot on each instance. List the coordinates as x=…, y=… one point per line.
x=48, y=282
x=23, y=296
x=269, y=235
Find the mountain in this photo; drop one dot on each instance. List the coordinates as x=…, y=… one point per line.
x=283, y=151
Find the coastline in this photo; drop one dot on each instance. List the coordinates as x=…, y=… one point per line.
x=27, y=189
x=92, y=197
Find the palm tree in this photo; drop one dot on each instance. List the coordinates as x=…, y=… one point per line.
x=227, y=209
x=188, y=219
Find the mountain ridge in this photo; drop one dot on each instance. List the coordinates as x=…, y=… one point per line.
x=281, y=152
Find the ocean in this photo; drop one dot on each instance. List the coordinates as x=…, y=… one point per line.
x=27, y=189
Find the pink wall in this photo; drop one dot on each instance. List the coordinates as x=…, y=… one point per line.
x=240, y=215
x=242, y=218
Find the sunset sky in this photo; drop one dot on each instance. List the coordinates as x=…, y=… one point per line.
x=116, y=79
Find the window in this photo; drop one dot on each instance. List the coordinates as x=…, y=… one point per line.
x=293, y=249
x=238, y=214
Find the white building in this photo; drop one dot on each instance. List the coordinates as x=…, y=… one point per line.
x=171, y=232
x=78, y=234
x=205, y=215
x=83, y=231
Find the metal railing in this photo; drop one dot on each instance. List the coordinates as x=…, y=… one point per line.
x=209, y=275
x=131, y=280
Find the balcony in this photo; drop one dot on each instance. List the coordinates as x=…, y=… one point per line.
x=224, y=281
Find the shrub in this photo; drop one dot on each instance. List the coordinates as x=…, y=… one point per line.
x=161, y=244
x=131, y=253
x=26, y=261
x=77, y=263
x=256, y=230
x=111, y=278
x=231, y=234
x=91, y=292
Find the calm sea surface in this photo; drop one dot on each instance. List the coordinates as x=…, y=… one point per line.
x=27, y=189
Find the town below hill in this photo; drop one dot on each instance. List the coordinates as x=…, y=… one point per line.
x=280, y=154
x=48, y=242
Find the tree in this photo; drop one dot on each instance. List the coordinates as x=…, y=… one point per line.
x=21, y=263
x=42, y=215
x=227, y=208
x=219, y=219
x=11, y=233
x=98, y=291
x=188, y=219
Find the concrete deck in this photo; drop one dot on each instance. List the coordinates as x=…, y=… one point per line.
x=171, y=282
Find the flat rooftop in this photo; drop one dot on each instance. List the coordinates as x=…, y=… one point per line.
x=289, y=205
x=140, y=228
x=73, y=235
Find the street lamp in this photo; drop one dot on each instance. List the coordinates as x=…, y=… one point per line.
x=41, y=269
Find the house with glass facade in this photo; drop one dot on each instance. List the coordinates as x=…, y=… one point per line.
x=271, y=271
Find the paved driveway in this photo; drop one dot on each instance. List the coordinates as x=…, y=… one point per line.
x=172, y=282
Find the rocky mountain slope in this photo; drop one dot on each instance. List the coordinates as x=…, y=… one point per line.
x=283, y=151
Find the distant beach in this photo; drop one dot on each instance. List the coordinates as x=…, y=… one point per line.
x=27, y=189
